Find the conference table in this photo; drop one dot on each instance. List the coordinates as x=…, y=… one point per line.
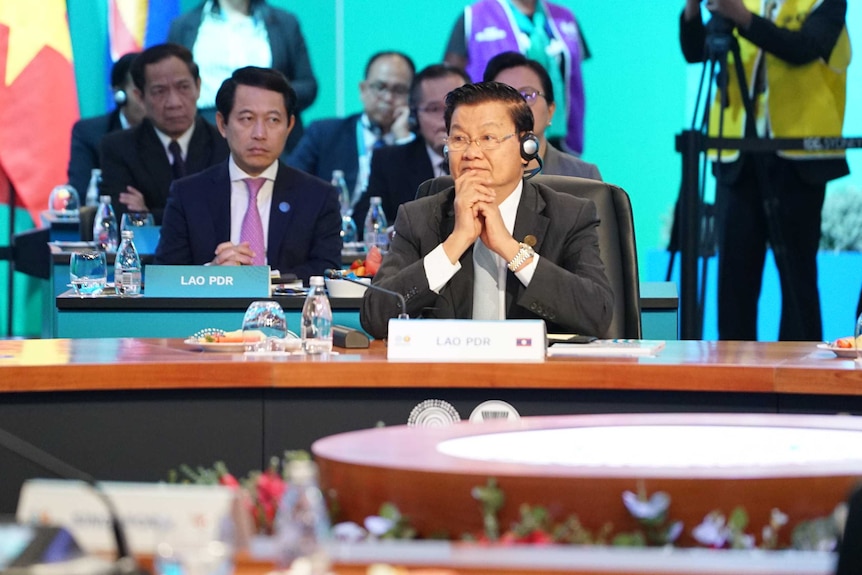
x=132, y=409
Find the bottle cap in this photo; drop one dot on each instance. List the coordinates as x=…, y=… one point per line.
x=127, y=234
x=315, y=281
x=105, y=199
x=376, y=200
x=337, y=174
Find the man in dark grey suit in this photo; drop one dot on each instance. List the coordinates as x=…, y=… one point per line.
x=493, y=246
x=139, y=165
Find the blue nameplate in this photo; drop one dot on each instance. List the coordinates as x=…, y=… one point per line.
x=206, y=281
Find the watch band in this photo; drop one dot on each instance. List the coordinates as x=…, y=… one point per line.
x=524, y=253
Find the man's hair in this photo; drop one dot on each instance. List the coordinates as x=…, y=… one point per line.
x=121, y=68
x=157, y=53
x=508, y=60
x=433, y=72
x=471, y=94
x=387, y=53
x=265, y=78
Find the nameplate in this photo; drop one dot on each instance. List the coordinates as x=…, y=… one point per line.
x=466, y=340
x=206, y=281
x=150, y=512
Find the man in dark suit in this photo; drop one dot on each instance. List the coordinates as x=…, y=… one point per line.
x=218, y=215
x=87, y=134
x=139, y=165
x=397, y=171
x=455, y=254
x=347, y=144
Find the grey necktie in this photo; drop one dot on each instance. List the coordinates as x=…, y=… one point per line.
x=486, y=292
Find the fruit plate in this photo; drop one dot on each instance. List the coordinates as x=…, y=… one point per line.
x=225, y=347
x=845, y=352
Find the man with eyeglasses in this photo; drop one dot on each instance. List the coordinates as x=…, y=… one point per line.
x=347, y=144
x=531, y=79
x=397, y=171
x=493, y=246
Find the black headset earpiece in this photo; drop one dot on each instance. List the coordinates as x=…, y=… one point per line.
x=529, y=147
x=120, y=97
x=446, y=153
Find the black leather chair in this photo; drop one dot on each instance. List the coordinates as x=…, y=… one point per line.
x=616, y=242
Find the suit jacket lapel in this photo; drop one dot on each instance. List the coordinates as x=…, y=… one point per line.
x=198, y=154
x=220, y=202
x=459, y=292
x=154, y=158
x=284, y=195
x=529, y=221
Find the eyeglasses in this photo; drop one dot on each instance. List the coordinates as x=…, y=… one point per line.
x=531, y=95
x=379, y=88
x=433, y=109
x=486, y=142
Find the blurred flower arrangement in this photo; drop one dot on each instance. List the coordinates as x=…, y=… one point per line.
x=261, y=490
x=651, y=511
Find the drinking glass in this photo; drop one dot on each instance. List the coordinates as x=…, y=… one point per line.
x=264, y=327
x=88, y=272
x=64, y=201
x=132, y=220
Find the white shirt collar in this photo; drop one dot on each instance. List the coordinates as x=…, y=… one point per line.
x=236, y=173
x=183, y=140
x=436, y=160
x=509, y=206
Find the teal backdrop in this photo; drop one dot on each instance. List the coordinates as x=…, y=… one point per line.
x=639, y=88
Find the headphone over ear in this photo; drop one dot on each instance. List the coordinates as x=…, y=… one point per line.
x=120, y=97
x=529, y=147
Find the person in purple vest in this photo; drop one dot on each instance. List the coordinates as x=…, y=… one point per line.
x=542, y=31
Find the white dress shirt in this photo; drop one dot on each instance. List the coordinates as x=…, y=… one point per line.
x=239, y=199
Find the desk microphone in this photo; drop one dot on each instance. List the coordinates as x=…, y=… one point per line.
x=125, y=564
x=340, y=275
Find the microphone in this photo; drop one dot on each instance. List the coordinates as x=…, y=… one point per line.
x=340, y=275
x=125, y=563
x=530, y=173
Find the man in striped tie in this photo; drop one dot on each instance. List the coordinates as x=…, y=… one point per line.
x=252, y=209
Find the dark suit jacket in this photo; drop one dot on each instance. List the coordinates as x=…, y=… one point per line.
x=137, y=158
x=87, y=135
x=304, y=222
x=329, y=145
x=286, y=42
x=569, y=289
x=396, y=172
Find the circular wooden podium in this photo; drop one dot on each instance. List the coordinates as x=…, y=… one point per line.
x=802, y=465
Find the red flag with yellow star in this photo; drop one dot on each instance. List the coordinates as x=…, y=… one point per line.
x=38, y=99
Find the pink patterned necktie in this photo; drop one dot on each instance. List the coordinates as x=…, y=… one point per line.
x=252, y=228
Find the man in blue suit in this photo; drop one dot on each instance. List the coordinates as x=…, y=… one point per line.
x=217, y=216
x=347, y=144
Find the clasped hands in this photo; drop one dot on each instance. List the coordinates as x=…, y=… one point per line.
x=477, y=215
x=230, y=254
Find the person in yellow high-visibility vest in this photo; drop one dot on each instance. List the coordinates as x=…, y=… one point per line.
x=795, y=55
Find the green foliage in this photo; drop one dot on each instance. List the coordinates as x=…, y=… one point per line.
x=841, y=225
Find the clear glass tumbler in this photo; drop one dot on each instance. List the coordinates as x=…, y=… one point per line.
x=88, y=272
